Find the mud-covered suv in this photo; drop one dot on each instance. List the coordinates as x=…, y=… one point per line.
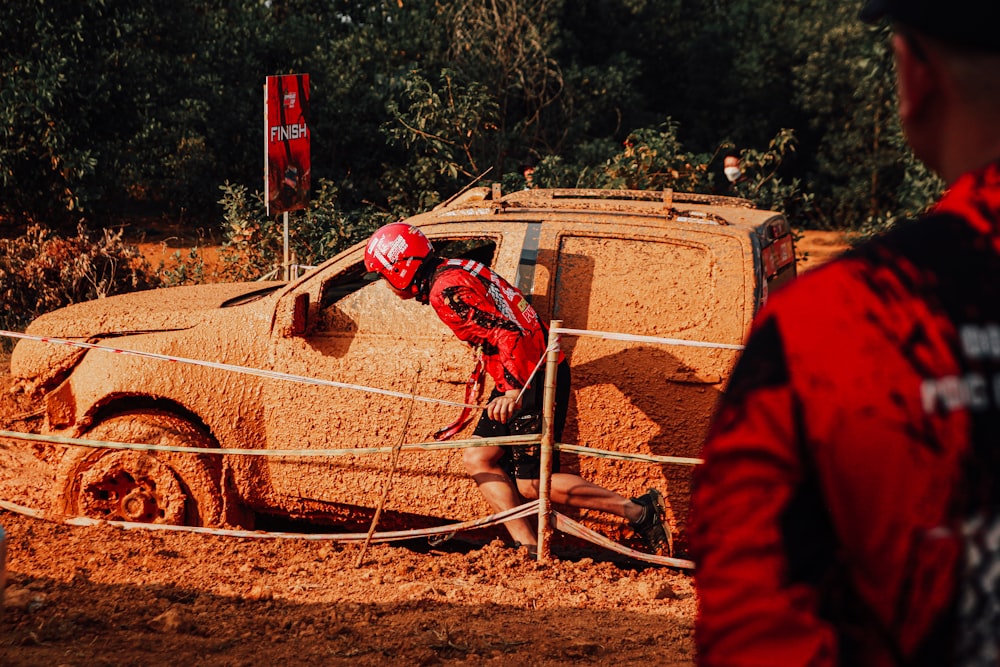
x=659, y=264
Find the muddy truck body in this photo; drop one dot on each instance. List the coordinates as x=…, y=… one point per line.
x=652, y=264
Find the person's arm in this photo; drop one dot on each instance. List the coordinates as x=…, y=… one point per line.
x=754, y=511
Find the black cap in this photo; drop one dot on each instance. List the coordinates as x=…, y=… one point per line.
x=969, y=23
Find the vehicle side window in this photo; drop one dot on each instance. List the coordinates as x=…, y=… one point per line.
x=356, y=276
x=481, y=250
x=354, y=300
x=347, y=282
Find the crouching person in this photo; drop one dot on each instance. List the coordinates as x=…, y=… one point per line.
x=487, y=312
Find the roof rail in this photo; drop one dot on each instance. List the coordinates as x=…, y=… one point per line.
x=667, y=196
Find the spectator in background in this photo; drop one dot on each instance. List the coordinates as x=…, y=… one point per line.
x=528, y=171
x=732, y=169
x=848, y=510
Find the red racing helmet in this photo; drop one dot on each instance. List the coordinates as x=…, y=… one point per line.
x=396, y=252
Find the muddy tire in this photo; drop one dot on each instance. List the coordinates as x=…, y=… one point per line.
x=144, y=487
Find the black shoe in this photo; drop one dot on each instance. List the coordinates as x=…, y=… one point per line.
x=650, y=525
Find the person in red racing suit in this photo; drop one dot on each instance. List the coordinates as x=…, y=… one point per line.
x=848, y=509
x=487, y=312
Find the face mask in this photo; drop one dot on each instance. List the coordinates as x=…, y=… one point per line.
x=732, y=173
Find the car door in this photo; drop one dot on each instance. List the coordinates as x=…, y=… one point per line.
x=665, y=281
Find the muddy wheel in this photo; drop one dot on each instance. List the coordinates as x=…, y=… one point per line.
x=146, y=487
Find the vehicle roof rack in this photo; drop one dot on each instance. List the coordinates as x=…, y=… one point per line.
x=667, y=196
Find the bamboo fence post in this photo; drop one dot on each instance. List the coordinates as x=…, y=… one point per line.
x=545, y=471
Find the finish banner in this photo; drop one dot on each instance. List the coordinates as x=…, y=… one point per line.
x=286, y=143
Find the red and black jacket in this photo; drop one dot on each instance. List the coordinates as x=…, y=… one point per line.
x=848, y=511
x=487, y=312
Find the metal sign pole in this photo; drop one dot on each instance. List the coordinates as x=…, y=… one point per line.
x=285, y=262
x=545, y=472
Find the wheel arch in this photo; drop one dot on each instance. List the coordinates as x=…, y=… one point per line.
x=119, y=404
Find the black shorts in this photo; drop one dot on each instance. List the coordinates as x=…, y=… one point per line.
x=523, y=461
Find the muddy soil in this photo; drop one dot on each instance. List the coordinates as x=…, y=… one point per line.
x=106, y=596
x=814, y=248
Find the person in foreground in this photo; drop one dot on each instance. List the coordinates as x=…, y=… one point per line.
x=848, y=510
x=484, y=310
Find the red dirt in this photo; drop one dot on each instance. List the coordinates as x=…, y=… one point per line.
x=814, y=248
x=106, y=596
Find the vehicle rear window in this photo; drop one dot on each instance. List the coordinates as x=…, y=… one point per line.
x=643, y=286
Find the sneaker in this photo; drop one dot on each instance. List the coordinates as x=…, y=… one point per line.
x=650, y=525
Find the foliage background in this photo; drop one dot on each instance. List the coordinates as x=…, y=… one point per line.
x=112, y=110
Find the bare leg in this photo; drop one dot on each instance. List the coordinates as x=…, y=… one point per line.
x=498, y=489
x=574, y=491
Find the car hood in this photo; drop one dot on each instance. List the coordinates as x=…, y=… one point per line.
x=38, y=364
x=151, y=310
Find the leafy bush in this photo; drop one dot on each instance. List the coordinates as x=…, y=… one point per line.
x=42, y=271
x=185, y=269
x=654, y=159
x=253, y=243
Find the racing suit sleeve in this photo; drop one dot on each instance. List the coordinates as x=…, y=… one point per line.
x=755, y=513
x=474, y=318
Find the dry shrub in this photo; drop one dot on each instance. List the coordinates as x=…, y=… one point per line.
x=41, y=271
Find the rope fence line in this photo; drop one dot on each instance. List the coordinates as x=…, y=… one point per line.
x=293, y=453
x=576, y=529
x=301, y=379
x=635, y=338
x=506, y=440
x=539, y=507
x=528, y=509
x=521, y=511
x=626, y=456
x=244, y=370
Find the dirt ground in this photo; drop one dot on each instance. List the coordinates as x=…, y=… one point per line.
x=105, y=596
x=814, y=248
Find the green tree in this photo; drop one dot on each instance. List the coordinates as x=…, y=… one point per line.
x=109, y=108
x=108, y=102
x=507, y=46
x=864, y=174
x=47, y=99
x=448, y=129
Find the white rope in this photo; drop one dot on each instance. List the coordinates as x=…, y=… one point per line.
x=627, y=456
x=519, y=512
x=499, y=441
x=635, y=338
x=554, y=346
x=274, y=375
x=424, y=446
x=571, y=527
x=277, y=375
x=563, y=523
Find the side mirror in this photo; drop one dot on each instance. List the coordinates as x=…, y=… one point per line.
x=300, y=315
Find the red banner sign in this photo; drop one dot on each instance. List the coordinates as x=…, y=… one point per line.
x=286, y=142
